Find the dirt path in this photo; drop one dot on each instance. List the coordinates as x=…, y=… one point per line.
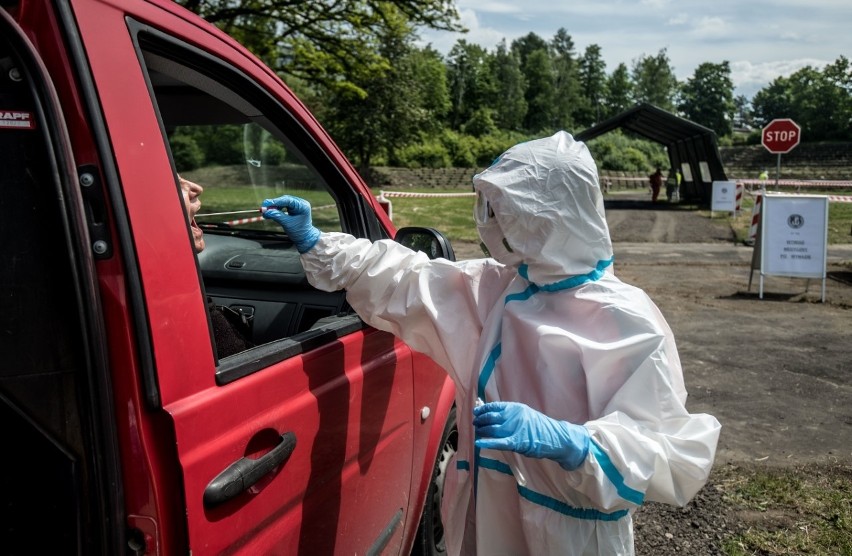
x=632, y=224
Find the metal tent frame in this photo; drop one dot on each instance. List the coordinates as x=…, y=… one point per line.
x=691, y=147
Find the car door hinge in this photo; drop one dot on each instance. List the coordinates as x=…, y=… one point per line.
x=95, y=206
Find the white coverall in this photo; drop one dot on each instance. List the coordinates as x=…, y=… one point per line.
x=549, y=326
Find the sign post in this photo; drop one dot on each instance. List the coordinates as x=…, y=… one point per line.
x=724, y=197
x=780, y=136
x=793, y=237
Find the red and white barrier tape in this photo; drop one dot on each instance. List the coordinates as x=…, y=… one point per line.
x=831, y=198
x=739, y=197
x=424, y=195
x=755, y=218
x=798, y=183
x=241, y=221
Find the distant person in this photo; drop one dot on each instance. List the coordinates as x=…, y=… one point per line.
x=763, y=177
x=656, y=180
x=671, y=185
x=679, y=177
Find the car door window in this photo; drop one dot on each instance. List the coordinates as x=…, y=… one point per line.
x=226, y=134
x=240, y=165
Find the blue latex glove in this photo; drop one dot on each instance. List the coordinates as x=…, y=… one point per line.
x=296, y=221
x=519, y=428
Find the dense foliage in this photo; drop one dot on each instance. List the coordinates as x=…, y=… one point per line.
x=387, y=99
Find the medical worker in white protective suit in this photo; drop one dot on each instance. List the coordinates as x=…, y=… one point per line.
x=583, y=416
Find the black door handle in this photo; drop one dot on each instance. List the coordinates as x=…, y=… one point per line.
x=243, y=473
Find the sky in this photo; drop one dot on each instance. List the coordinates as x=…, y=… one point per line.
x=761, y=39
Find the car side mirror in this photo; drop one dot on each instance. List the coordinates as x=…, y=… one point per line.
x=428, y=240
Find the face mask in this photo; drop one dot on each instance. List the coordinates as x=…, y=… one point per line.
x=482, y=212
x=496, y=243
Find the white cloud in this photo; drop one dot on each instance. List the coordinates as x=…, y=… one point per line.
x=486, y=6
x=710, y=27
x=750, y=77
x=485, y=36
x=678, y=19
x=655, y=4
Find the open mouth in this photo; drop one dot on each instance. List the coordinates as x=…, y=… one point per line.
x=197, y=233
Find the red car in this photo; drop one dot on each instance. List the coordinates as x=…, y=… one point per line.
x=137, y=433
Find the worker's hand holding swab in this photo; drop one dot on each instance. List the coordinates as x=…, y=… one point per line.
x=296, y=221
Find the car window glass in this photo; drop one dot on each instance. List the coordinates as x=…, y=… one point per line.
x=239, y=166
x=225, y=143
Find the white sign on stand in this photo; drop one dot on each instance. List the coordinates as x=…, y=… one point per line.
x=794, y=237
x=724, y=196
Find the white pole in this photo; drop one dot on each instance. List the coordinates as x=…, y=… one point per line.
x=777, y=171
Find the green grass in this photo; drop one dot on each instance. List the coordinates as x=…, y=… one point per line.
x=804, y=510
x=452, y=216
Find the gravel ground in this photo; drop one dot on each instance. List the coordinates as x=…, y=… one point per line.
x=701, y=527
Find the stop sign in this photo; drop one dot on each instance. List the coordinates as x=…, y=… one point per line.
x=781, y=135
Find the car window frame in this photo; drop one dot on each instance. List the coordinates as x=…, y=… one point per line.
x=356, y=215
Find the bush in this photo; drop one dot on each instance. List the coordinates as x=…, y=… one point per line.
x=619, y=153
x=429, y=154
x=459, y=148
x=274, y=153
x=480, y=123
x=488, y=148
x=186, y=152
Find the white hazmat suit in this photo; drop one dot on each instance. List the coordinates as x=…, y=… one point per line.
x=547, y=324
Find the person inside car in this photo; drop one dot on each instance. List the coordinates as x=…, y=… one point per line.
x=230, y=330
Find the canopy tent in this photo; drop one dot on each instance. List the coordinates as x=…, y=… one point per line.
x=692, y=148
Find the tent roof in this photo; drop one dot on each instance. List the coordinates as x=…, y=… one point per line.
x=651, y=122
x=690, y=146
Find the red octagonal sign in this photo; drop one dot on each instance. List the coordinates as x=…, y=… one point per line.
x=781, y=136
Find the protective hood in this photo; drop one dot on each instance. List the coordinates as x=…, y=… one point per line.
x=546, y=210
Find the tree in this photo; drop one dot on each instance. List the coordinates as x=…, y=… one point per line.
x=819, y=101
x=772, y=102
x=508, y=102
x=469, y=79
x=526, y=45
x=654, y=81
x=430, y=75
x=534, y=55
x=743, y=115
x=592, y=85
x=401, y=98
x=321, y=42
x=566, y=83
x=835, y=94
x=619, y=91
x=707, y=98
x=540, y=92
